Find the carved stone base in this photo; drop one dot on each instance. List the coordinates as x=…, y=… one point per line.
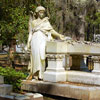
x=96, y=61
x=55, y=71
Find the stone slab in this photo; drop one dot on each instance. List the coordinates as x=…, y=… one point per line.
x=69, y=90
x=6, y=97
x=73, y=48
x=27, y=96
x=10, y=97
x=1, y=80
x=5, y=89
x=34, y=96
x=83, y=77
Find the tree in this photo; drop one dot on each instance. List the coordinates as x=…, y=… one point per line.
x=13, y=21
x=14, y=17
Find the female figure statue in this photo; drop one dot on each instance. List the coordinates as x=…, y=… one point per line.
x=40, y=32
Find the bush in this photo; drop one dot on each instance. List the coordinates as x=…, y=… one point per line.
x=13, y=77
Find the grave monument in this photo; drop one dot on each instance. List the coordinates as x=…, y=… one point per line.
x=60, y=79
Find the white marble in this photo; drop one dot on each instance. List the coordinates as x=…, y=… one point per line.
x=54, y=76
x=83, y=77
x=55, y=71
x=96, y=69
x=72, y=47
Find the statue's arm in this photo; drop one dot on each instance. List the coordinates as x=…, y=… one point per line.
x=53, y=32
x=56, y=34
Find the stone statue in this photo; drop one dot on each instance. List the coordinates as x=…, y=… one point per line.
x=40, y=31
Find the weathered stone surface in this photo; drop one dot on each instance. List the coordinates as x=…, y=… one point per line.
x=70, y=90
x=22, y=98
x=38, y=96
x=54, y=76
x=96, y=61
x=34, y=96
x=5, y=89
x=27, y=96
x=55, y=71
x=3, y=98
x=6, y=97
x=73, y=48
x=1, y=79
x=83, y=77
x=10, y=97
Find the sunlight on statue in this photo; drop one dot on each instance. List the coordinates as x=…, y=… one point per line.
x=40, y=31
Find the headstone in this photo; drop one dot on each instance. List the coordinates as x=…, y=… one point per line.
x=5, y=89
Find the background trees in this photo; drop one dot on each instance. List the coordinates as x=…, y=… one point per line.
x=14, y=16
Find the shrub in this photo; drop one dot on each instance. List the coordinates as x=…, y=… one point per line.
x=13, y=77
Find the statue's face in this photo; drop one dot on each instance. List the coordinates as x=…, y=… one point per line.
x=41, y=14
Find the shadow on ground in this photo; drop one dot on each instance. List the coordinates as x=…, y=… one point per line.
x=50, y=97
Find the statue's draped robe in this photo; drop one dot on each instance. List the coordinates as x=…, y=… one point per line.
x=39, y=34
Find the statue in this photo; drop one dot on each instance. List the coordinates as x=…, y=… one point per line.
x=40, y=31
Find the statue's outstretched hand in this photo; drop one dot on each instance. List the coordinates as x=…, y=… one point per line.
x=62, y=37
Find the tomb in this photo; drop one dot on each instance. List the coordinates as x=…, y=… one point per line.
x=69, y=77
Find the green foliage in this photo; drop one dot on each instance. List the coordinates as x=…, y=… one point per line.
x=13, y=24
x=11, y=76
x=97, y=20
x=14, y=17
x=93, y=19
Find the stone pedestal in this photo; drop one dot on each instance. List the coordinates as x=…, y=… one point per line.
x=68, y=61
x=96, y=61
x=55, y=71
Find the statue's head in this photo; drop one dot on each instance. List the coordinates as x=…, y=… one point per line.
x=40, y=10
